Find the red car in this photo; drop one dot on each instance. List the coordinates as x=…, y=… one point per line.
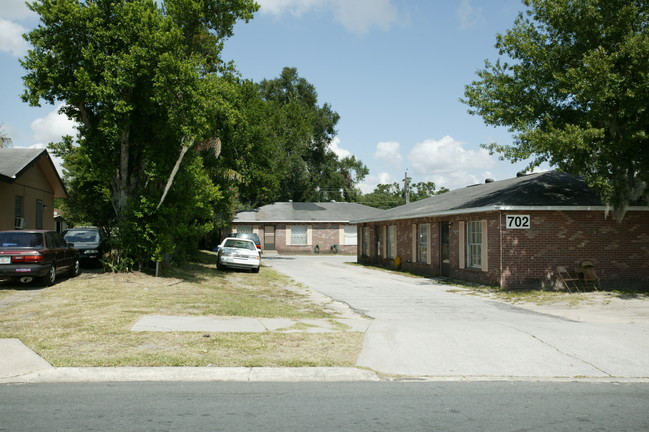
x=36, y=254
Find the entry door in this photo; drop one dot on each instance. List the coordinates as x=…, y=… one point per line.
x=269, y=237
x=445, y=264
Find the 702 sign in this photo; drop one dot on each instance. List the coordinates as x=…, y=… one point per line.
x=517, y=222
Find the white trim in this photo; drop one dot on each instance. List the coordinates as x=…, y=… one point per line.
x=462, y=246
x=485, y=246
x=415, y=240
x=429, y=258
x=499, y=208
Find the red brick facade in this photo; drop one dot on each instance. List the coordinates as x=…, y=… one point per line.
x=524, y=258
x=322, y=235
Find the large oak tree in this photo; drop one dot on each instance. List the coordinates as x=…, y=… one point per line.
x=572, y=84
x=144, y=81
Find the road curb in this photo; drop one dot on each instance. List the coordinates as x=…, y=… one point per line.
x=193, y=374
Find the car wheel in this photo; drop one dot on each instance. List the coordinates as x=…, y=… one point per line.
x=75, y=269
x=220, y=266
x=50, y=277
x=255, y=270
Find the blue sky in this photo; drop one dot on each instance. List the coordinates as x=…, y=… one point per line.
x=393, y=69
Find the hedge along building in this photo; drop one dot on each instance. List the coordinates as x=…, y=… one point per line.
x=514, y=233
x=304, y=227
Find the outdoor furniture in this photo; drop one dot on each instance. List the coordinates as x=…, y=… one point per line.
x=589, y=275
x=564, y=276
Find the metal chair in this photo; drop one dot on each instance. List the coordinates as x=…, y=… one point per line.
x=566, y=278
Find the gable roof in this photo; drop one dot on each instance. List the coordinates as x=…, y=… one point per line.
x=543, y=191
x=15, y=161
x=306, y=212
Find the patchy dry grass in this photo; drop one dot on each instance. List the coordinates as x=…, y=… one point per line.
x=86, y=321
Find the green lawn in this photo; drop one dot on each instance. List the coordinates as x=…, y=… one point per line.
x=86, y=321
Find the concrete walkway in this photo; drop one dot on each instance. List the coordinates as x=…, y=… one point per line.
x=160, y=323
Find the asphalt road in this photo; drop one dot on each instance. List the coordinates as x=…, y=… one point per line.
x=423, y=328
x=381, y=406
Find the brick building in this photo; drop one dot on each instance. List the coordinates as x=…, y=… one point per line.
x=300, y=227
x=514, y=233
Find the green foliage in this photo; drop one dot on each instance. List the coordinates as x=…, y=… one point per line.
x=279, y=146
x=573, y=85
x=143, y=79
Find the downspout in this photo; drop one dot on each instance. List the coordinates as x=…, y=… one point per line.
x=500, y=229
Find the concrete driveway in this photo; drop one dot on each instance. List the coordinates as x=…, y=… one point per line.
x=422, y=328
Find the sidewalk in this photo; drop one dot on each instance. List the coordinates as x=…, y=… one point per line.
x=19, y=364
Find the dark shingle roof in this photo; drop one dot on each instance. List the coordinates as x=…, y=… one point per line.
x=549, y=189
x=307, y=212
x=13, y=161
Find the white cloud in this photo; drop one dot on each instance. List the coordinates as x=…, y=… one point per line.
x=357, y=16
x=468, y=15
x=52, y=127
x=370, y=182
x=446, y=156
x=334, y=146
x=11, y=39
x=388, y=150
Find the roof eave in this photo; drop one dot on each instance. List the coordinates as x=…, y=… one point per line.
x=275, y=221
x=497, y=208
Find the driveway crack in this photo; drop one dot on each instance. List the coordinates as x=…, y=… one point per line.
x=562, y=352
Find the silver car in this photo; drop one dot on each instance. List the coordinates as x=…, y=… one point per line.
x=238, y=253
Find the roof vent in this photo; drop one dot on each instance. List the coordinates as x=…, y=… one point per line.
x=521, y=174
x=489, y=180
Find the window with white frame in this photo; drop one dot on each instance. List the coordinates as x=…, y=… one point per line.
x=392, y=241
x=247, y=229
x=422, y=243
x=350, y=235
x=474, y=244
x=366, y=241
x=298, y=235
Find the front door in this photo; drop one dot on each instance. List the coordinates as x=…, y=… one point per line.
x=445, y=263
x=269, y=237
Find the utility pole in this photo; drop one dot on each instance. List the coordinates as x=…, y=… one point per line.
x=406, y=187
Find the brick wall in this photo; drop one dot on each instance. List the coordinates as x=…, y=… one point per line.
x=619, y=250
x=323, y=235
x=529, y=257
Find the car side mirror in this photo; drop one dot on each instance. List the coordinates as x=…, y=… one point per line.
x=71, y=245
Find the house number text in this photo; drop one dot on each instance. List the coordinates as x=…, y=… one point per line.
x=518, y=222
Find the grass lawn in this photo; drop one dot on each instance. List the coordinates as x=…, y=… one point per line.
x=86, y=321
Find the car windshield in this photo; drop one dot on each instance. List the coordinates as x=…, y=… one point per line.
x=241, y=244
x=21, y=239
x=82, y=236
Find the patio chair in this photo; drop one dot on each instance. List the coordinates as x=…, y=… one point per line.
x=564, y=276
x=589, y=274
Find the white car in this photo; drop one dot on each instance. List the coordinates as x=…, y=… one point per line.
x=238, y=253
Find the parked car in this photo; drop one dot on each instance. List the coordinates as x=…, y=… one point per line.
x=91, y=243
x=36, y=254
x=238, y=253
x=250, y=236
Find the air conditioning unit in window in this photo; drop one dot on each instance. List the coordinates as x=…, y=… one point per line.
x=19, y=223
